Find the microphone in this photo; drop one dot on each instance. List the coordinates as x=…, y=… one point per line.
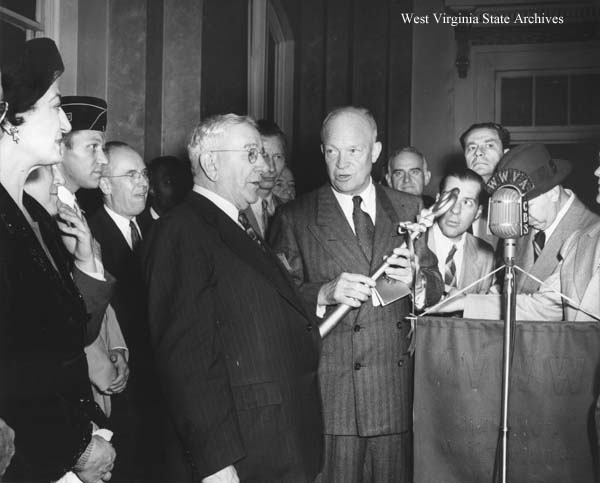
x=508, y=217
x=441, y=206
x=507, y=214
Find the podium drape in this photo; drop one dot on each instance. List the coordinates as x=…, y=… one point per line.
x=555, y=382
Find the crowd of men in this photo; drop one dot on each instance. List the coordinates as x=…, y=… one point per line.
x=208, y=361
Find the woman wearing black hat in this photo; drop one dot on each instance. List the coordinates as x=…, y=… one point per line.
x=44, y=387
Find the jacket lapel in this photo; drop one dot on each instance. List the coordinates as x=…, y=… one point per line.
x=264, y=262
x=470, y=262
x=587, y=261
x=113, y=233
x=386, y=236
x=335, y=235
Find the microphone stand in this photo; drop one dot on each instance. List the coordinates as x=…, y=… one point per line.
x=509, y=300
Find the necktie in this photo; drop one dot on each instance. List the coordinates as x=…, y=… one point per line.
x=450, y=270
x=539, y=241
x=265, y=214
x=136, y=238
x=249, y=229
x=363, y=226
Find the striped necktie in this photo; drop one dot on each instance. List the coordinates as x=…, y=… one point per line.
x=539, y=240
x=450, y=269
x=363, y=226
x=136, y=238
x=265, y=214
x=249, y=229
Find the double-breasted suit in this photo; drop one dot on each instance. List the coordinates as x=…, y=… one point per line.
x=366, y=371
x=237, y=350
x=576, y=218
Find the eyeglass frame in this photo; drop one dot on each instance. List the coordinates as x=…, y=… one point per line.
x=133, y=174
x=249, y=151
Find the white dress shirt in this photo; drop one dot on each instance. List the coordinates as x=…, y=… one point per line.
x=224, y=205
x=442, y=246
x=369, y=202
x=560, y=215
x=122, y=223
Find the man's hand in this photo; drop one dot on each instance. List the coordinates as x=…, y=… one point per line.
x=77, y=236
x=117, y=357
x=226, y=475
x=348, y=288
x=402, y=267
x=100, y=462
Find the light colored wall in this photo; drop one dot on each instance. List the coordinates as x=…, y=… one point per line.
x=434, y=79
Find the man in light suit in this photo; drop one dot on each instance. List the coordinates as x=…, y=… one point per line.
x=237, y=350
x=330, y=240
x=462, y=258
x=554, y=214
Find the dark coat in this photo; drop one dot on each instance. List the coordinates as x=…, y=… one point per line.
x=366, y=372
x=45, y=393
x=237, y=351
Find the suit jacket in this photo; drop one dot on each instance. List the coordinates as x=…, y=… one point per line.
x=576, y=217
x=129, y=300
x=366, y=371
x=44, y=385
x=237, y=350
x=580, y=273
x=478, y=260
x=145, y=221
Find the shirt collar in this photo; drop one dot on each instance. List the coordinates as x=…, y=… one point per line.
x=561, y=214
x=122, y=223
x=224, y=205
x=443, y=244
x=369, y=201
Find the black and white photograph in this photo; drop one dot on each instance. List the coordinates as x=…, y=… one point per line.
x=299, y=241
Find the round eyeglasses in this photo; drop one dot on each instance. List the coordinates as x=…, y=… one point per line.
x=133, y=175
x=252, y=153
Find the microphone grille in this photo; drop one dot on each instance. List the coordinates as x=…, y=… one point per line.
x=505, y=213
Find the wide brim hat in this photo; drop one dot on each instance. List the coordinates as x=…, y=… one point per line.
x=539, y=171
x=29, y=74
x=85, y=113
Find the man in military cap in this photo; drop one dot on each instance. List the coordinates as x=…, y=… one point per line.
x=83, y=156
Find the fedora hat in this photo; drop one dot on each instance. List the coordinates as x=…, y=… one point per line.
x=534, y=162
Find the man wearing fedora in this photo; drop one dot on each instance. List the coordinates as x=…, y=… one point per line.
x=554, y=214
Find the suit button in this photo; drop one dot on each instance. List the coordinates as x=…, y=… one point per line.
x=357, y=328
x=400, y=362
x=399, y=325
x=309, y=327
x=357, y=366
